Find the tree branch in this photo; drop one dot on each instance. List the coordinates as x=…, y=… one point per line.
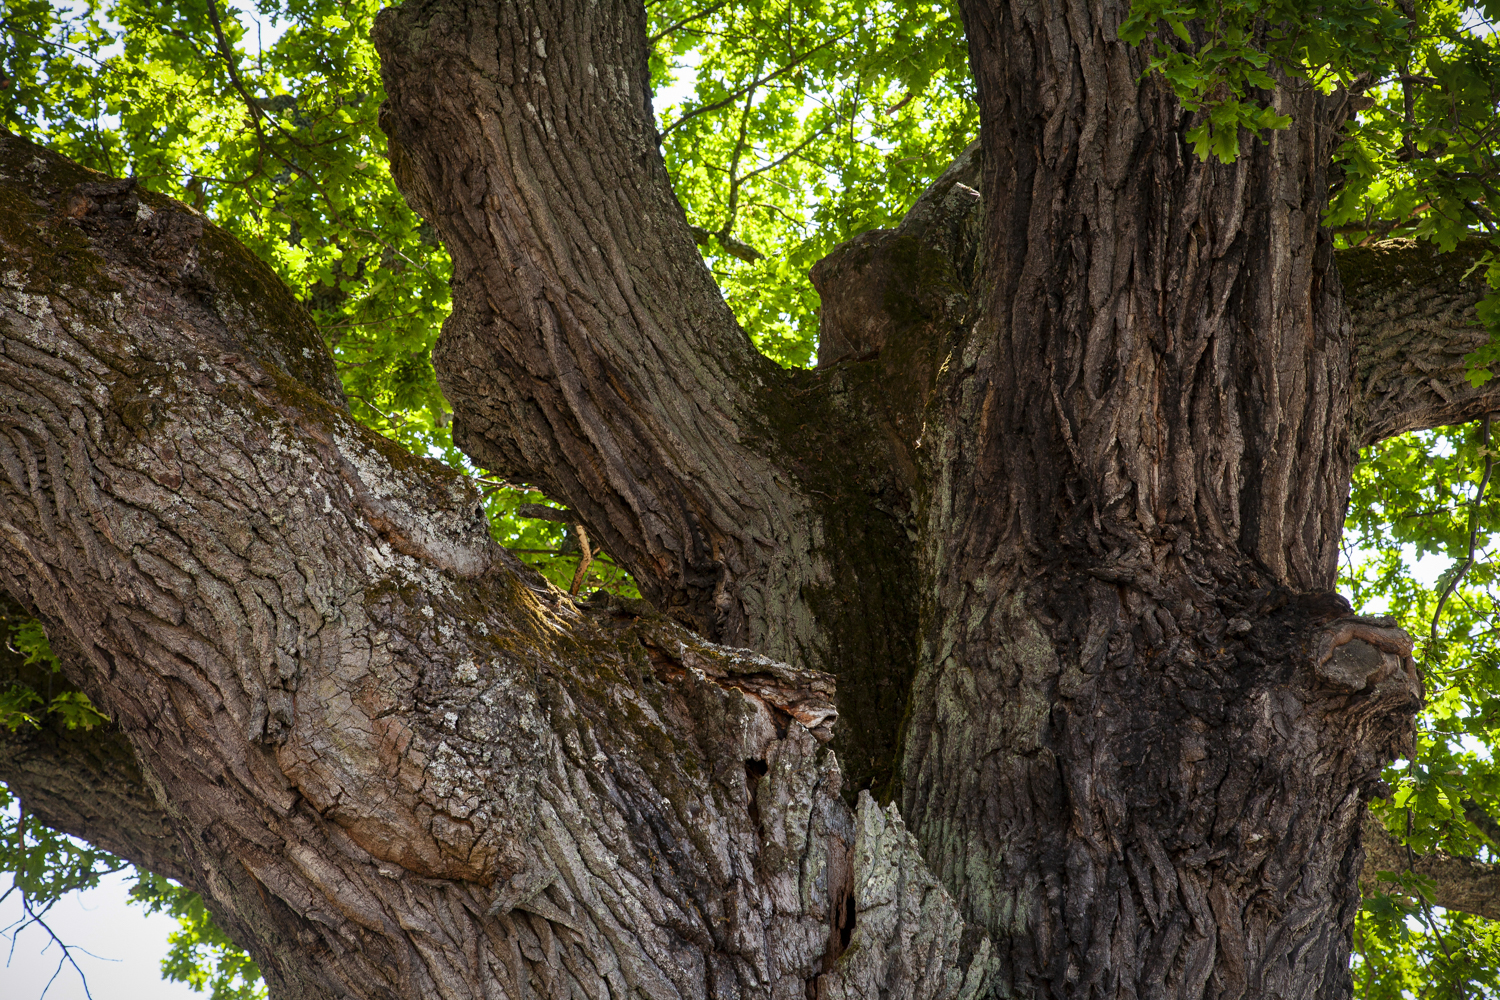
x=1461, y=883
x=87, y=784
x=590, y=354
x=589, y=351
x=1412, y=310
x=408, y=767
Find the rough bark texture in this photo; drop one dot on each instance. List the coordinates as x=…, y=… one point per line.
x=396, y=764
x=1412, y=310
x=1128, y=753
x=590, y=353
x=1060, y=505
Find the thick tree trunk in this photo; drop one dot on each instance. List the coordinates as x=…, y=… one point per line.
x=394, y=762
x=1064, y=496
x=1143, y=722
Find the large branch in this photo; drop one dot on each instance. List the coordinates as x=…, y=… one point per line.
x=1458, y=883
x=1412, y=310
x=85, y=782
x=589, y=351
x=401, y=765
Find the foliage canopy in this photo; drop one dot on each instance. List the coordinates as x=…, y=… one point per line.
x=790, y=126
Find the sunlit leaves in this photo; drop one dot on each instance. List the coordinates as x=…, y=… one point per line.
x=200, y=954
x=1413, y=506
x=808, y=122
x=1408, y=950
x=46, y=865
x=272, y=132
x=29, y=699
x=1223, y=58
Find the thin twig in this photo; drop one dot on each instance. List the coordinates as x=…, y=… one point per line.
x=1484, y=482
x=231, y=64
x=583, y=564
x=1411, y=866
x=10, y=26
x=735, y=94
x=685, y=21
x=1474, y=521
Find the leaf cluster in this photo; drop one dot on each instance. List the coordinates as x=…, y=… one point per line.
x=1225, y=58
x=1419, y=528
x=200, y=954
x=790, y=126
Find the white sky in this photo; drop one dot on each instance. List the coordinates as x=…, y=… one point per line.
x=120, y=949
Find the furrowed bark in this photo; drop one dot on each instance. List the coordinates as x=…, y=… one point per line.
x=859, y=320
x=1077, y=455
x=1143, y=724
x=590, y=353
x=395, y=763
x=1139, y=448
x=1412, y=311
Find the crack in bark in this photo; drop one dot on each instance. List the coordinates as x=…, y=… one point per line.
x=393, y=762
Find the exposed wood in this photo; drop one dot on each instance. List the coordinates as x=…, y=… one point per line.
x=585, y=559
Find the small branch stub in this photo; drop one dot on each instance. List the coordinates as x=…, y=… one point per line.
x=586, y=550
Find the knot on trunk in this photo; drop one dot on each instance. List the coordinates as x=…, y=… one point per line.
x=1360, y=653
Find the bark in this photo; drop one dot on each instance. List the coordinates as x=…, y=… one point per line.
x=1051, y=529
x=1412, y=309
x=591, y=354
x=1461, y=884
x=1142, y=723
x=86, y=783
x=394, y=762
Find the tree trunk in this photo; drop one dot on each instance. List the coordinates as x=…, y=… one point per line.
x=1053, y=527
x=1143, y=721
x=393, y=761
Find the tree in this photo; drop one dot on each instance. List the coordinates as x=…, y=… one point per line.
x=1052, y=529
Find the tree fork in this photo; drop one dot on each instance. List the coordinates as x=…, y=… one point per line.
x=394, y=761
x=1090, y=412
x=591, y=354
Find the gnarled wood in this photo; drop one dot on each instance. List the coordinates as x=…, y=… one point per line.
x=1075, y=459
x=396, y=763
